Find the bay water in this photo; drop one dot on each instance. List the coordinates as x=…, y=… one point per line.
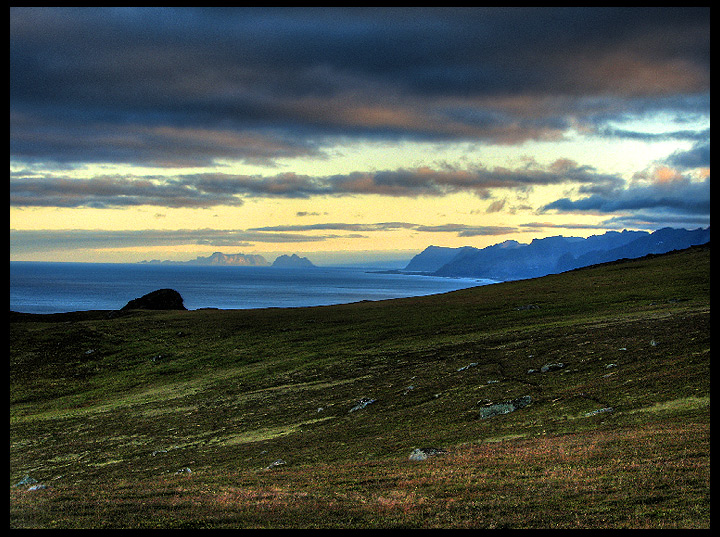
x=63, y=287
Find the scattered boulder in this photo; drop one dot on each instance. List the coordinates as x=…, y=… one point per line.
x=598, y=411
x=34, y=485
x=421, y=454
x=27, y=480
x=505, y=407
x=275, y=464
x=546, y=368
x=162, y=299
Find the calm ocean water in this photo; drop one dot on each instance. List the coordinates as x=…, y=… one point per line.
x=62, y=287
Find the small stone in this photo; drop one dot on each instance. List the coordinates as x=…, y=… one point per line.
x=362, y=404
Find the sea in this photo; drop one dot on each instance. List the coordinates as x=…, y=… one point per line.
x=63, y=287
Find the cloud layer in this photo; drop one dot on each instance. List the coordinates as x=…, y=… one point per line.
x=187, y=86
x=190, y=89
x=207, y=189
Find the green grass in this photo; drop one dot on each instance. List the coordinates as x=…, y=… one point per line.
x=105, y=411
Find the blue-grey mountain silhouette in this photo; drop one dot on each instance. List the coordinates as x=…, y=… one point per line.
x=511, y=260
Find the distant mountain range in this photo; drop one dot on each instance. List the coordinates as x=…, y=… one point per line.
x=511, y=260
x=242, y=260
x=218, y=258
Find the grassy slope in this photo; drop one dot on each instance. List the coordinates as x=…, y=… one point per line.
x=106, y=411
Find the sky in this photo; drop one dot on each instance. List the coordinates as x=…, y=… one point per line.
x=350, y=134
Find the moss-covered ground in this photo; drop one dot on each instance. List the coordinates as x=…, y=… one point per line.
x=174, y=419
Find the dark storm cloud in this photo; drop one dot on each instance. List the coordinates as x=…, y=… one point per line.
x=111, y=191
x=696, y=157
x=691, y=135
x=678, y=196
x=186, y=86
x=76, y=139
x=656, y=220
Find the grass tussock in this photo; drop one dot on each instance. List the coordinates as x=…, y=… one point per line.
x=244, y=419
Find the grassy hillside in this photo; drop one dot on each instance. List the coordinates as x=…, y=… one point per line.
x=248, y=418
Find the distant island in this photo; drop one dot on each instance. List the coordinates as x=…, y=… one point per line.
x=242, y=260
x=511, y=260
x=292, y=261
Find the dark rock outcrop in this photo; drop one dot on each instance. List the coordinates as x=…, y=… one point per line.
x=162, y=299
